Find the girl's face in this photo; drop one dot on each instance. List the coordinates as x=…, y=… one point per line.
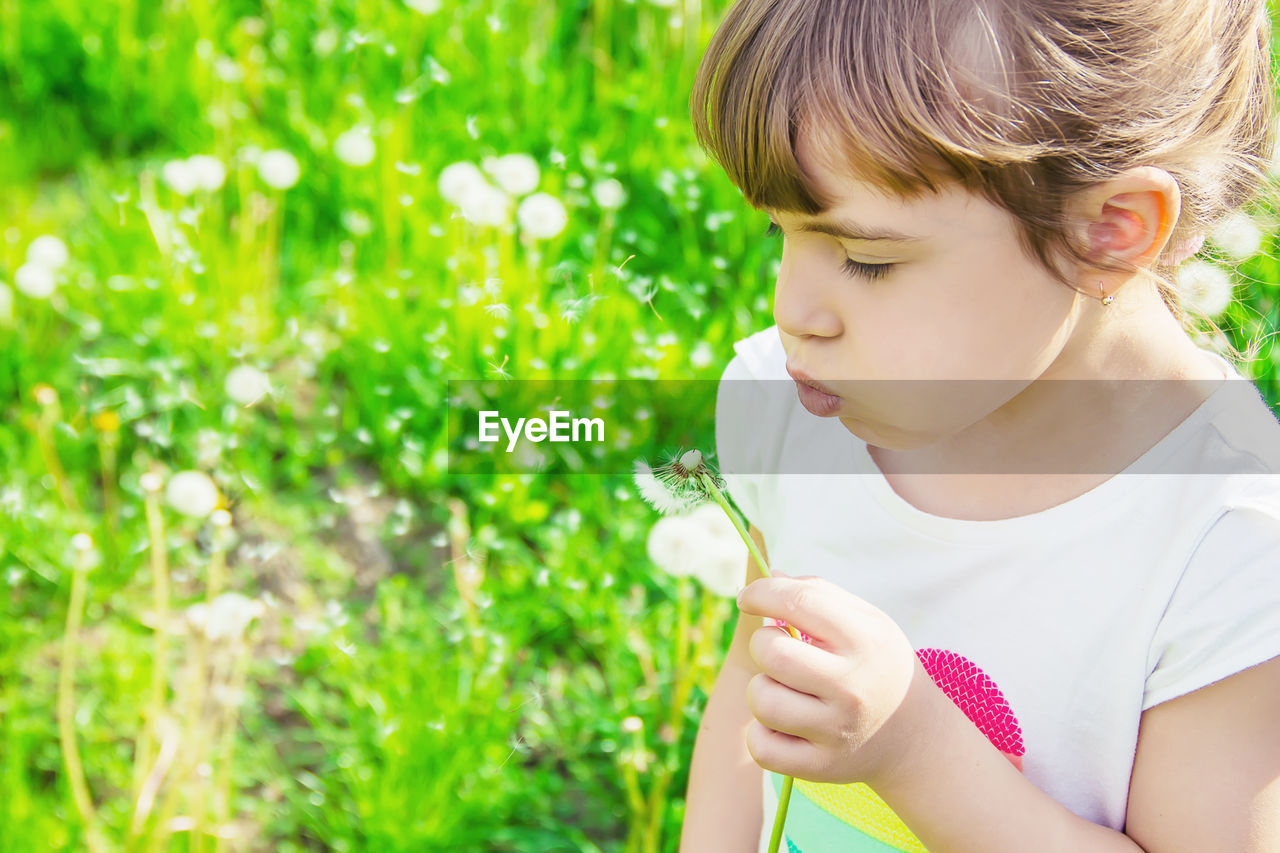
x=958, y=300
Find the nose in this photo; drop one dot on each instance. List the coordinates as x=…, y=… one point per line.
x=802, y=305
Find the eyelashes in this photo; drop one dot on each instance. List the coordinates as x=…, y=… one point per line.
x=852, y=268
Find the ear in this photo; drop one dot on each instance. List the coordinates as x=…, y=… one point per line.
x=1128, y=218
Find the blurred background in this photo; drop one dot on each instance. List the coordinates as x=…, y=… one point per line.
x=245, y=245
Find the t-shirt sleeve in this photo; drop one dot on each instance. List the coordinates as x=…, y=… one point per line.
x=1224, y=615
x=738, y=452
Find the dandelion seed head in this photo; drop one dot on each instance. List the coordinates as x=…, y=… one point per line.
x=632, y=724
x=45, y=394
x=355, y=147
x=457, y=180
x=609, y=194
x=517, y=174
x=48, y=251
x=486, y=205
x=278, y=169
x=1204, y=287
x=423, y=7
x=542, y=216
x=35, y=281
x=151, y=482
x=1238, y=235
x=208, y=171
x=247, y=385
x=192, y=493
x=180, y=177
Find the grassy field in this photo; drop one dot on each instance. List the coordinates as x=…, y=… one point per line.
x=315, y=638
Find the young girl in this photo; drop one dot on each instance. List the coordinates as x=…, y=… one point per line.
x=1027, y=625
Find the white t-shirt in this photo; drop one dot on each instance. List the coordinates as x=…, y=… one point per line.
x=1054, y=631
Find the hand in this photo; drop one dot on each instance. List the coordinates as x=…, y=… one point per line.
x=849, y=706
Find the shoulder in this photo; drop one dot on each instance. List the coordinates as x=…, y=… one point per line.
x=1245, y=431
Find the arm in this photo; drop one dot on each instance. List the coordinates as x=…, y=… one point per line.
x=723, y=808
x=959, y=794
x=1206, y=779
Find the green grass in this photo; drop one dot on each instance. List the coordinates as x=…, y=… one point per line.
x=441, y=663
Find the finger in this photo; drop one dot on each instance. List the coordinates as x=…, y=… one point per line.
x=795, y=663
x=784, y=710
x=815, y=606
x=783, y=753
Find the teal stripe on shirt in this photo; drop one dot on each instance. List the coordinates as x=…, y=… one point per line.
x=812, y=829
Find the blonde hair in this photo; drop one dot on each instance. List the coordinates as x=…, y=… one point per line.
x=1024, y=102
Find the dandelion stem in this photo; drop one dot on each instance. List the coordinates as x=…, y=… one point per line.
x=719, y=498
x=160, y=658
x=66, y=706
x=784, y=799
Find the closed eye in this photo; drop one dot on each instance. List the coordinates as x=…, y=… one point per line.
x=852, y=268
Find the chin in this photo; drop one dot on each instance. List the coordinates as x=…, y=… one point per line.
x=888, y=438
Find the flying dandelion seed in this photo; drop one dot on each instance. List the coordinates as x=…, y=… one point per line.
x=500, y=310
x=500, y=369
x=278, y=169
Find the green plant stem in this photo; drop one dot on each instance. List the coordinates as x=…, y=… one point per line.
x=66, y=709
x=784, y=799
x=160, y=661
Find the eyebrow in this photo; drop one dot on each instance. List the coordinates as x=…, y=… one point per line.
x=853, y=231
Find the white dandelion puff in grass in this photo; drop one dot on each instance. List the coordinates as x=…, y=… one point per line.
x=208, y=171
x=192, y=493
x=247, y=385
x=458, y=180
x=48, y=251
x=501, y=310
x=355, y=147
x=1238, y=235
x=702, y=544
x=1204, y=287
x=278, y=169
x=542, y=216
x=517, y=174
x=609, y=194
x=227, y=617
x=486, y=205
x=180, y=177
x=35, y=281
